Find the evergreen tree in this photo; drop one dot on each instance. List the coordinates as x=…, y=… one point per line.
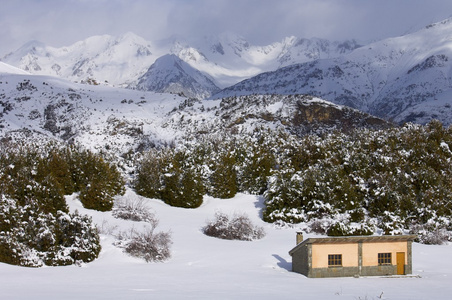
x=223, y=180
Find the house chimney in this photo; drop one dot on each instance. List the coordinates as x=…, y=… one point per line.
x=299, y=237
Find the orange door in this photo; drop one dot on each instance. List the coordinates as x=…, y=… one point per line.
x=400, y=263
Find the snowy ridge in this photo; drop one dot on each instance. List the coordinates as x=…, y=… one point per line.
x=405, y=79
x=5, y=68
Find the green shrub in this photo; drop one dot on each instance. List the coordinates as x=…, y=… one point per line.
x=30, y=237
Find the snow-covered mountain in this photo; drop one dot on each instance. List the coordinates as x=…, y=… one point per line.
x=407, y=78
x=170, y=74
x=229, y=58
x=104, y=59
x=402, y=79
x=121, y=61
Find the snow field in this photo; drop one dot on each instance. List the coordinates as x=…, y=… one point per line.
x=203, y=267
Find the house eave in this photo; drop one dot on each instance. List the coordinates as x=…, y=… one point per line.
x=354, y=239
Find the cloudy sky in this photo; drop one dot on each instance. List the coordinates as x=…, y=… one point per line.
x=62, y=22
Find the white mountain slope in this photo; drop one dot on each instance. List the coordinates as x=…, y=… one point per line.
x=407, y=78
x=170, y=74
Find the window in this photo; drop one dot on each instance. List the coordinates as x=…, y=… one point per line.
x=334, y=260
x=384, y=259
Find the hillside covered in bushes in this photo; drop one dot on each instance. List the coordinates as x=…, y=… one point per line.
x=389, y=181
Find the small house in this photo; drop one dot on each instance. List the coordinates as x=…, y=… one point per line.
x=353, y=256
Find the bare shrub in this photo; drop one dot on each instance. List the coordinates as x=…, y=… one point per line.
x=239, y=227
x=133, y=209
x=431, y=235
x=150, y=245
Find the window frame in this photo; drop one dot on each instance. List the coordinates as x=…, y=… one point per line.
x=385, y=259
x=334, y=260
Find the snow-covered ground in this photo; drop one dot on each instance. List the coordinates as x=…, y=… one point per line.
x=203, y=267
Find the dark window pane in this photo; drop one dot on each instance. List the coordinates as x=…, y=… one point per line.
x=334, y=259
x=384, y=258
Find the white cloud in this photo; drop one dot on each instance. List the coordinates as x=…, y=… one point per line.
x=63, y=22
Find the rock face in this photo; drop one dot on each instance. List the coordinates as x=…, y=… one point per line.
x=298, y=114
x=320, y=115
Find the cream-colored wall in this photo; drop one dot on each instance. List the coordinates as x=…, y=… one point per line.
x=320, y=254
x=371, y=250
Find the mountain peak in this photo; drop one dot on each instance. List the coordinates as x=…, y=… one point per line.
x=170, y=74
x=167, y=61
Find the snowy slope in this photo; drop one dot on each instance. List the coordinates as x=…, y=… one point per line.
x=170, y=74
x=99, y=117
x=407, y=78
x=203, y=267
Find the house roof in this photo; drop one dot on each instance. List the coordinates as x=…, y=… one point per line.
x=355, y=239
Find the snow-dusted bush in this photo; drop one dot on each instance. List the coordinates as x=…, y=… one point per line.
x=345, y=229
x=170, y=175
x=32, y=238
x=438, y=236
x=432, y=233
x=97, y=180
x=133, y=209
x=237, y=227
x=36, y=227
x=391, y=223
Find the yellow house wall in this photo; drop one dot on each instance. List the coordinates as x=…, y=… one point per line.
x=371, y=250
x=320, y=254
